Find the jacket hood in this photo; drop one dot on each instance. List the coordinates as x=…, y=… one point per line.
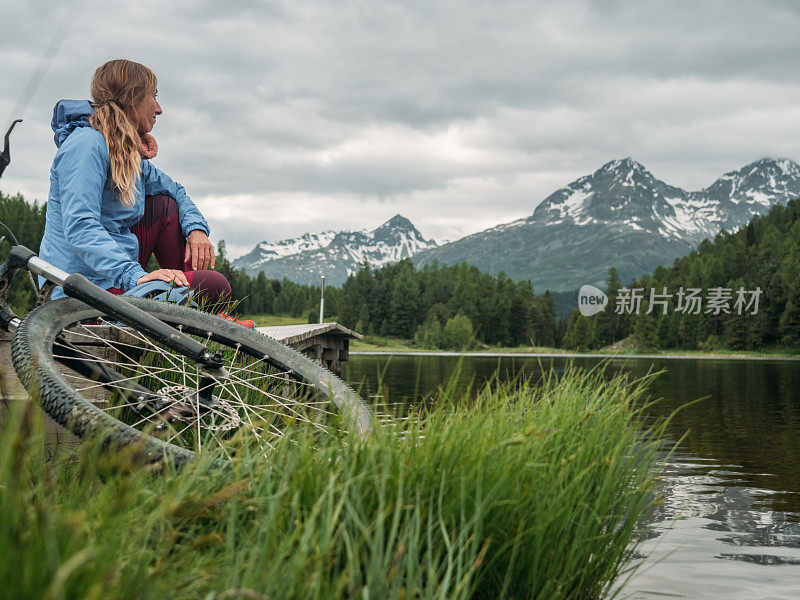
x=67, y=116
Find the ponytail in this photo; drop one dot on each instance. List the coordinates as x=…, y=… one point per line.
x=123, y=148
x=117, y=86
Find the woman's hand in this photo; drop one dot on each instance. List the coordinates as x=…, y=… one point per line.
x=179, y=277
x=201, y=251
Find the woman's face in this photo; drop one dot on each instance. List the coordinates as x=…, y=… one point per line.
x=144, y=113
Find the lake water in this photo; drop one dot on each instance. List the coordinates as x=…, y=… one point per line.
x=729, y=526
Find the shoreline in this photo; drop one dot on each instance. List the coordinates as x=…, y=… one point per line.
x=571, y=355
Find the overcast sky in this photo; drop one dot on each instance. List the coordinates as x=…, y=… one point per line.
x=286, y=117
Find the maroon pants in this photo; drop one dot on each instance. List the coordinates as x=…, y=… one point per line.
x=159, y=232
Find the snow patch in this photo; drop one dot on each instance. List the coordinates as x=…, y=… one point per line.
x=760, y=197
x=573, y=204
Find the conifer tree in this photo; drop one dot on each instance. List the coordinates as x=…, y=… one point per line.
x=404, y=303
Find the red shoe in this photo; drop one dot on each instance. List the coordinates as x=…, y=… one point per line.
x=246, y=323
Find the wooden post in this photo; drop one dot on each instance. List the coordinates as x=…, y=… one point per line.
x=322, y=301
x=12, y=393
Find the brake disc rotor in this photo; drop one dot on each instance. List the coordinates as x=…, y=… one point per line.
x=181, y=403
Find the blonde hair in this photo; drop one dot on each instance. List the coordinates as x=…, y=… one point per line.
x=117, y=86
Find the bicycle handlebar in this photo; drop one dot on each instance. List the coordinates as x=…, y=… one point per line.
x=5, y=156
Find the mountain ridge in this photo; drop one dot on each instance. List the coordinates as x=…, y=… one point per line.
x=335, y=254
x=620, y=215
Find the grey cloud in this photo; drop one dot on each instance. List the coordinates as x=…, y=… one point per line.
x=351, y=106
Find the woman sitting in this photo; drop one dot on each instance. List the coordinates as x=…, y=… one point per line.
x=109, y=208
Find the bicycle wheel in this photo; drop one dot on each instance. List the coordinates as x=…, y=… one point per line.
x=156, y=398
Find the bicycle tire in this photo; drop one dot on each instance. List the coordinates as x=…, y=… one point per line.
x=35, y=345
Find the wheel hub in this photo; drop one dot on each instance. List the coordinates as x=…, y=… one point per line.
x=183, y=404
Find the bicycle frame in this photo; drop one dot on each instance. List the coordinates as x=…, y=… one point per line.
x=77, y=286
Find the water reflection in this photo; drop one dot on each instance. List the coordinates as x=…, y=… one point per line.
x=713, y=537
x=729, y=522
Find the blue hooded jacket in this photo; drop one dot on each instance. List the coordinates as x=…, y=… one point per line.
x=87, y=228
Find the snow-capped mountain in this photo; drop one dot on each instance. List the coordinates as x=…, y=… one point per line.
x=622, y=216
x=753, y=189
x=266, y=251
x=334, y=254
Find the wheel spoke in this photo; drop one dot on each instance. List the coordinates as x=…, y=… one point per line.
x=287, y=405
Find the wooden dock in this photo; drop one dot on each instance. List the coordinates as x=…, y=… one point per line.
x=328, y=343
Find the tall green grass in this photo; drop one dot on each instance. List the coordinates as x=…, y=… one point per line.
x=525, y=492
